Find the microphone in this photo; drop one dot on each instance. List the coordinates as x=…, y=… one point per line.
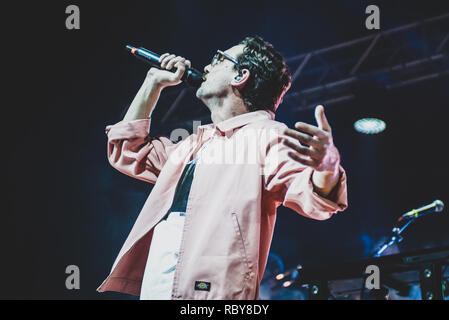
x=435, y=206
x=191, y=76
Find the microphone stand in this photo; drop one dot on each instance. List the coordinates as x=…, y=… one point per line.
x=395, y=237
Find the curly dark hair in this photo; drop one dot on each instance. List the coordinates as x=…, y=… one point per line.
x=269, y=75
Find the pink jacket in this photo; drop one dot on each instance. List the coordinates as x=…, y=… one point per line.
x=243, y=175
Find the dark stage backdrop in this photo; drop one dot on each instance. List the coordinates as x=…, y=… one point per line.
x=64, y=205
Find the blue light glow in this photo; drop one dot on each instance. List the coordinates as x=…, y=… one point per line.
x=370, y=125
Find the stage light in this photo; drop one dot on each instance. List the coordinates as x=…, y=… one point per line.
x=280, y=276
x=369, y=125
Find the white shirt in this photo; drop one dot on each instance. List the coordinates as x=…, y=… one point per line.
x=157, y=282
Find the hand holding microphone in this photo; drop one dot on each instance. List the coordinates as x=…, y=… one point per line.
x=168, y=69
x=169, y=62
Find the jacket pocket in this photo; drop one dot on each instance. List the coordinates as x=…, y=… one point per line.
x=242, y=246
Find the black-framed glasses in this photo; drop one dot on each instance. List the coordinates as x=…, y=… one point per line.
x=220, y=56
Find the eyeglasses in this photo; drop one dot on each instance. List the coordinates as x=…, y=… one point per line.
x=220, y=56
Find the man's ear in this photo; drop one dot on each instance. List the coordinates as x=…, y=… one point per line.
x=241, y=79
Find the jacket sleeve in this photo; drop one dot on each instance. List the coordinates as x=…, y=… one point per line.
x=290, y=182
x=132, y=152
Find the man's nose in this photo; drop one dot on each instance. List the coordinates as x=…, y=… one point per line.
x=207, y=68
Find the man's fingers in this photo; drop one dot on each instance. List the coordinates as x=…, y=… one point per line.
x=180, y=69
x=301, y=159
x=312, y=130
x=166, y=60
x=174, y=61
x=163, y=56
x=303, y=138
x=303, y=150
x=321, y=119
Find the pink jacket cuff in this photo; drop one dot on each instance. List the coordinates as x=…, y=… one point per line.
x=129, y=129
x=302, y=198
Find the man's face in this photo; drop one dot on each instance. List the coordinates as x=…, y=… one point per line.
x=219, y=76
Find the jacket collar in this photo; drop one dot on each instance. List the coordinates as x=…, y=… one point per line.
x=241, y=120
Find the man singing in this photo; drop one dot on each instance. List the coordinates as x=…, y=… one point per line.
x=206, y=228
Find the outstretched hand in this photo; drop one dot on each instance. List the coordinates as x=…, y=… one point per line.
x=314, y=147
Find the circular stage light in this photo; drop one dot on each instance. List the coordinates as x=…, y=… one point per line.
x=369, y=125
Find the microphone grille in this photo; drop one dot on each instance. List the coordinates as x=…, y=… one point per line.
x=439, y=205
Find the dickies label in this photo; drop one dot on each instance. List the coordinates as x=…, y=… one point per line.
x=202, y=285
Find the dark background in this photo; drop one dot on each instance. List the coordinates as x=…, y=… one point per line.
x=63, y=204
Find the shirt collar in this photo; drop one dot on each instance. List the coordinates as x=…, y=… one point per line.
x=241, y=120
